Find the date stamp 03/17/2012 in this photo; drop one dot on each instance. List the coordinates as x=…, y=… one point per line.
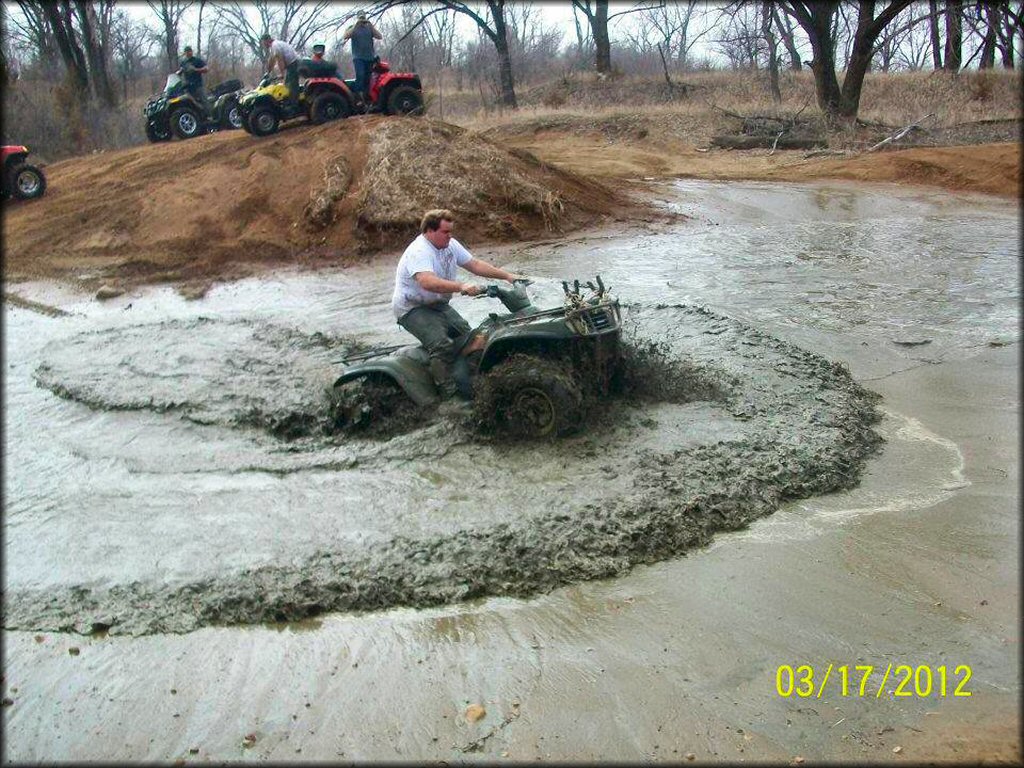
x=867, y=680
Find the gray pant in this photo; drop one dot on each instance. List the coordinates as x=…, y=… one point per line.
x=440, y=329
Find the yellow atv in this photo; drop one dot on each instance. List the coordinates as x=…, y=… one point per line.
x=322, y=97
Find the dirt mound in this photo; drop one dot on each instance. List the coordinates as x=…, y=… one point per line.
x=218, y=206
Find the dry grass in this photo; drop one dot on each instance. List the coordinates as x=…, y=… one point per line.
x=410, y=170
x=891, y=99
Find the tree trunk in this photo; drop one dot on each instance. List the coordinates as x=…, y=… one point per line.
x=199, y=29
x=508, y=90
x=954, y=35
x=102, y=86
x=786, y=31
x=59, y=18
x=767, y=9
x=602, y=43
x=823, y=48
x=860, y=61
x=988, y=48
x=933, y=25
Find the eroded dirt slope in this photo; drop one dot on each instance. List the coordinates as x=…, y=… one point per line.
x=217, y=206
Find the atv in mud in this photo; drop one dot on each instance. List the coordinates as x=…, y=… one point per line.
x=21, y=180
x=176, y=112
x=530, y=372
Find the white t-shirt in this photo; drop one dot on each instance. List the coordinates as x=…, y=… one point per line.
x=422, y=256
x=284, y=50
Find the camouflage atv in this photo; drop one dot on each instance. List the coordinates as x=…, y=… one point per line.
x=530, y=372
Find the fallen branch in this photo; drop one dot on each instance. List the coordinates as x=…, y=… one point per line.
x=900, y=133
x=825, y=152
x=776, y=142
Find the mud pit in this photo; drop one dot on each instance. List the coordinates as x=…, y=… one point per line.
x=919, y=563
x=436, y=514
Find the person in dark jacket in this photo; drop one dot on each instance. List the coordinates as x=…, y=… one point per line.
x=192, y=69
x=362, y=34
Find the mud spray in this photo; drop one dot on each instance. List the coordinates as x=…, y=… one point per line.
x=718, y=425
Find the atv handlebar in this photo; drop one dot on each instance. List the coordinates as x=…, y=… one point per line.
x=493, y=291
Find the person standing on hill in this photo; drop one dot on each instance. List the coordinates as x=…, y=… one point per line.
x=362, y=34
x=192, y=68
x=287, y=59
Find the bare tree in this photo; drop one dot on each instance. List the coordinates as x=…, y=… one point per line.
x=169, y=14
x=767, y=22
x=60, y=19
x=131, y=42
x=89, y=29
x=740, y=39
x=953, y=53
x=598, y=17
x=295, y=21
x=785, y=28
x=673, y=24
x=936, y=37
x=29, y=30
x=816, y=19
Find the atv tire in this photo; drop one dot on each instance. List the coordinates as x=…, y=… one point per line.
x=155, y=135
x=372, y=405
x=529, y=397
x=26, y=182
x=232, y=115
x=329, y=106
x=263, y=121
x=186, y=123
x=405, y=100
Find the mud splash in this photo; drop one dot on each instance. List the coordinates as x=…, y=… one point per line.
x=774, y=422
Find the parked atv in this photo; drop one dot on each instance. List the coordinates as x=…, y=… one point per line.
x=322, y=97
x=392, y=93
x=176, y=112
x=21, y=180
x=529, y=372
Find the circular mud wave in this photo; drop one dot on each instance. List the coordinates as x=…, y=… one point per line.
x=763, y=421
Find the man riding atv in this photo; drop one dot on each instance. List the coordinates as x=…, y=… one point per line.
x=193, y=68
x=424, y=283
x=530, y=373
x=184, y=110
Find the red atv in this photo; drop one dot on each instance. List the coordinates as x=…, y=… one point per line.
x=21, y=180
x=393, y=93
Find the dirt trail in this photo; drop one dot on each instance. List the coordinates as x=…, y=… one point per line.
x=219, y=206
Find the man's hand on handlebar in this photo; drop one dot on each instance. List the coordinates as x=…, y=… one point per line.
x=471, y=289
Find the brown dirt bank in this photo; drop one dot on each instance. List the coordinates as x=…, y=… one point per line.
x=221, y=205
x=666, y=145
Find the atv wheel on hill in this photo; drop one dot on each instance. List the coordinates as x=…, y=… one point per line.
x=329, y=106
x=155, y=134
x=26, y=182
x=263, y=121
x=232, y=115
x=405, y=100
x=531, y=397
x=186, y=123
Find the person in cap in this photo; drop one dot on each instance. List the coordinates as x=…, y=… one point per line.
x=287, y=59
x=192, y=68
x=362, y=34
x=318, y=52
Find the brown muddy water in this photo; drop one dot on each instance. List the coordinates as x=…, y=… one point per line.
x=147, y=492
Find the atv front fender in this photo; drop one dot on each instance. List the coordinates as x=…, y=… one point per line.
x=412, y=376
